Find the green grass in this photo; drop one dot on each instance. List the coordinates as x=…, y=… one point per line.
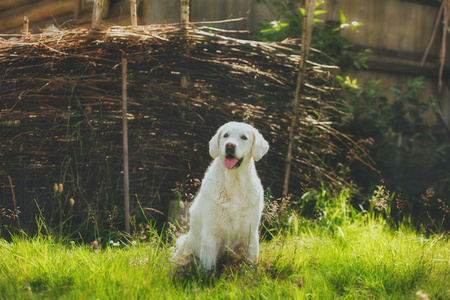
x=339, y=256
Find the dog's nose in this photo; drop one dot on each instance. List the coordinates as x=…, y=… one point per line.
x=230, y=146
x=229, y=149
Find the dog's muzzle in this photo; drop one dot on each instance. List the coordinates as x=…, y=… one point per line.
x=230, y=149
x=230, y=156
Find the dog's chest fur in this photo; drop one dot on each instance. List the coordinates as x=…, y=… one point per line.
x=236, y=193
x=235, y=204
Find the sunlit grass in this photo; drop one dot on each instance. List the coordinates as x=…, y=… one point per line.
x=373, y=262
x=345, y=255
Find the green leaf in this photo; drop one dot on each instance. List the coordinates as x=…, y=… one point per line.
x=267, y=30
x=319, y=3
x=396, y=90
x=320, y=12
x=342, y=18
x=335, y=29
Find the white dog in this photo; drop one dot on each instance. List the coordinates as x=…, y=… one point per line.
x=227, y=210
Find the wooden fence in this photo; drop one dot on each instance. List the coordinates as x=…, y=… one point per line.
x=397, y=31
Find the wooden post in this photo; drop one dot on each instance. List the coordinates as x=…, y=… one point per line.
x=97, y=14
x=184, y=22
x=126, y=178
x=433, y=35
x=26, y=25
x=443, y=51
x=444, y=14
x=308, y=24
x=133, y=13
x=184, y=16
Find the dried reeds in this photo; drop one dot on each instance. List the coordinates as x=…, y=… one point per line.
x=61, y=100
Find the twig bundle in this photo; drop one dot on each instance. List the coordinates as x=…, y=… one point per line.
x=61, y=102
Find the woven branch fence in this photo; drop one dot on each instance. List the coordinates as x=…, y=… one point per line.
x=60, y=118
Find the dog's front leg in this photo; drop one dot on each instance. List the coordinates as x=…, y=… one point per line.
x=253, y=247
x=208, y=252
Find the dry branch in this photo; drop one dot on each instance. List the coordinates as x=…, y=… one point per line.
x=306, y=41
x=126, y=173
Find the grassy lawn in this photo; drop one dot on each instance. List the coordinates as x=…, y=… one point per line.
x=342, y=257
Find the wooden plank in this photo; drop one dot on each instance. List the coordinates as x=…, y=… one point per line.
x=434, y=3
x=10, y=4
x=162, y=12
x=46, y=9
x=397, y=54
x=406, y=69
x=390, y=24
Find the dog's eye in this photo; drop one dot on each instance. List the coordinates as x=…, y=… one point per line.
x=225, y=135
x=244, y=137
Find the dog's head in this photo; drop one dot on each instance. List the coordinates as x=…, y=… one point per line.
x=237, y=143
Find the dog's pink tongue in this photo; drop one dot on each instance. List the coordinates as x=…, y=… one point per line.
x=230, y=162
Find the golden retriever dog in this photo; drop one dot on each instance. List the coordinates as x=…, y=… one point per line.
x=227, y=210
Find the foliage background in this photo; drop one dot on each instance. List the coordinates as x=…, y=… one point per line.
x=410, y=155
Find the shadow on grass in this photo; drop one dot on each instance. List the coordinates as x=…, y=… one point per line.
x=187, y=270
x=231, y=267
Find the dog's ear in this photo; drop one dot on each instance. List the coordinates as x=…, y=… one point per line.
x=260, y=146
x=214, y=150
